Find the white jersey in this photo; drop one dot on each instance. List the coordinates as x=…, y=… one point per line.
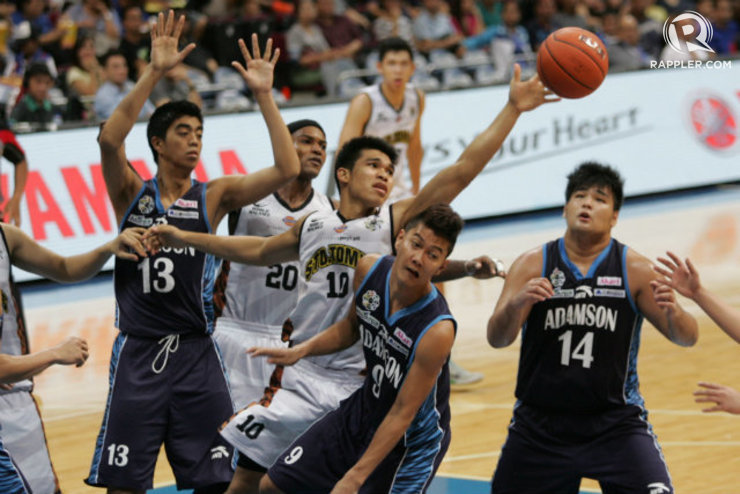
x=14, y=339
x=264, y=296
x=396, y=128
x=329, y=250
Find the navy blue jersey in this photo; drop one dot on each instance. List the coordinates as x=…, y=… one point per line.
x=579, y=348
x=389, y=343
x=172, y=291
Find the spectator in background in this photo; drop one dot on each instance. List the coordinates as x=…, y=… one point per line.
x=318, y=62
x=96, y=17
x=343, y=35
x=200, y=58
x=135, y=42
x=116, y=87
x=83, y=79
x=32, y=11
x=467, y=17
x=542, y=24
x=491, y=12
x=434, y=29
x=649, y=30
x=609, y=32
x=726, y=34
x=627, y=54
x=571, y=13
x=13, y=152
x=34, y=107
x=392, y=22
x=175, y=86
x=27, y=51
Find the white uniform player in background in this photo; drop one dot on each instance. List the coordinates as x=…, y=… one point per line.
x=252, y=302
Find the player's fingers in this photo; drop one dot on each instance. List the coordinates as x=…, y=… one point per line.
x=668, y=264
x=662, y=271
x=690, y=267
x=268, y=49
x=275, y=56
x=676, y=260
x=255, y=46
x=517, y=73
x=709, y=385
x=716, y=408
x=245, y=52
x=239, y=68
x=178, y=27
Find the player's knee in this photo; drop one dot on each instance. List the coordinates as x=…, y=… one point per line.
x=268, y=487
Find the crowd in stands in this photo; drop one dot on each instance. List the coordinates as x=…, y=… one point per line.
x=71, y=61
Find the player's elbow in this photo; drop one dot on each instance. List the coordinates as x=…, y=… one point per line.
x=498, y=337
x=106, y=140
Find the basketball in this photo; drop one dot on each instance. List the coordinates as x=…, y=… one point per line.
x=572, y=62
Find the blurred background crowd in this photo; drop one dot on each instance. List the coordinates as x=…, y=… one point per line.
x=73, y=61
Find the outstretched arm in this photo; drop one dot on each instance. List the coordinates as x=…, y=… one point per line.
x=684, y=278
x=415, y=151
x=14, y=368
x=336, y=337
x=29, y=255
x=357, y=117
x=448, y=183
x=229, y=193
x=524, y=287
x=657, y=301
x=431, y=354
x=246, y=249
x=121, y=181
x=481, y=268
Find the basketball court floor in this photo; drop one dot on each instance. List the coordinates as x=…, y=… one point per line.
x=702, y=450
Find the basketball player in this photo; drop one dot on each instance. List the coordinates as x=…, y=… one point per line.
x=328, y=245
x=252, y=302
x=395, y=429
x=392, y=111
x=684, y=278
x=581, y=300
x=165, y=311
x=22, y=433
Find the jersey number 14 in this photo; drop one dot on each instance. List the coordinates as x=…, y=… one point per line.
x=583, y=351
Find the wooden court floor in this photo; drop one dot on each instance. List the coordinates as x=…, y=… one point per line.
x=702, y=450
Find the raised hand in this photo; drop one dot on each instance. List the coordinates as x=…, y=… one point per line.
x=725, y=398
x=159, y=236
x=131, y=239
x=682, y=277
x=528, y=95
x=484, y=267
x=165, y=37
x=258, y=73
x=72, y=351
x=664, y=296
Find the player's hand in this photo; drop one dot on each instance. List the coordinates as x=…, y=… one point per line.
x=129, y=244
x=484, y=267
x=165, y=36
x=528, y=95
x=159, y=236
x=664, y=296
x=535, y=290
x=277, y=356
x=347, y=485
x=258, y=73
x=12, y=212
x=72, y=351
x=725, y=398
x=681, y=276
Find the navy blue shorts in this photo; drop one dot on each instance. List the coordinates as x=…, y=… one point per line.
x=321, y=456
x=11, y=479
x=549, y=452
x=174, y=393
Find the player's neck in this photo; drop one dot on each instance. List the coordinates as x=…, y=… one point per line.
x=584, y=247
x=295, y=193
x=352, y=209
x=394, y=96
x=172, y=185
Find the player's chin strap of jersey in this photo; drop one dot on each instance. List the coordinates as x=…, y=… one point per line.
x=169, y=343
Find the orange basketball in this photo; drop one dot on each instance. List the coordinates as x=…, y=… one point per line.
x=572, y=62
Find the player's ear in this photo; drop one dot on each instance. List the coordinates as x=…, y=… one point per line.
x=442, y=267
x=399, y=238
x=157, y=143
x=343, y=175
x=615, y=217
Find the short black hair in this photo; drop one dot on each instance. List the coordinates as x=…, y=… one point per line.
x=442, y=220
x=394, y=44
x=112, y=53
x=163, y=118
x=591, y=173
x=34, y=70
x=352, y=149
x=306, y=122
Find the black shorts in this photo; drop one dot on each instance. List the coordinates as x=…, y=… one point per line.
x=548, y=452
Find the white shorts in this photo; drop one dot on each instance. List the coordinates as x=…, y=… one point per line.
x=307, y=392
x=248, y=376
x=23, y=437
